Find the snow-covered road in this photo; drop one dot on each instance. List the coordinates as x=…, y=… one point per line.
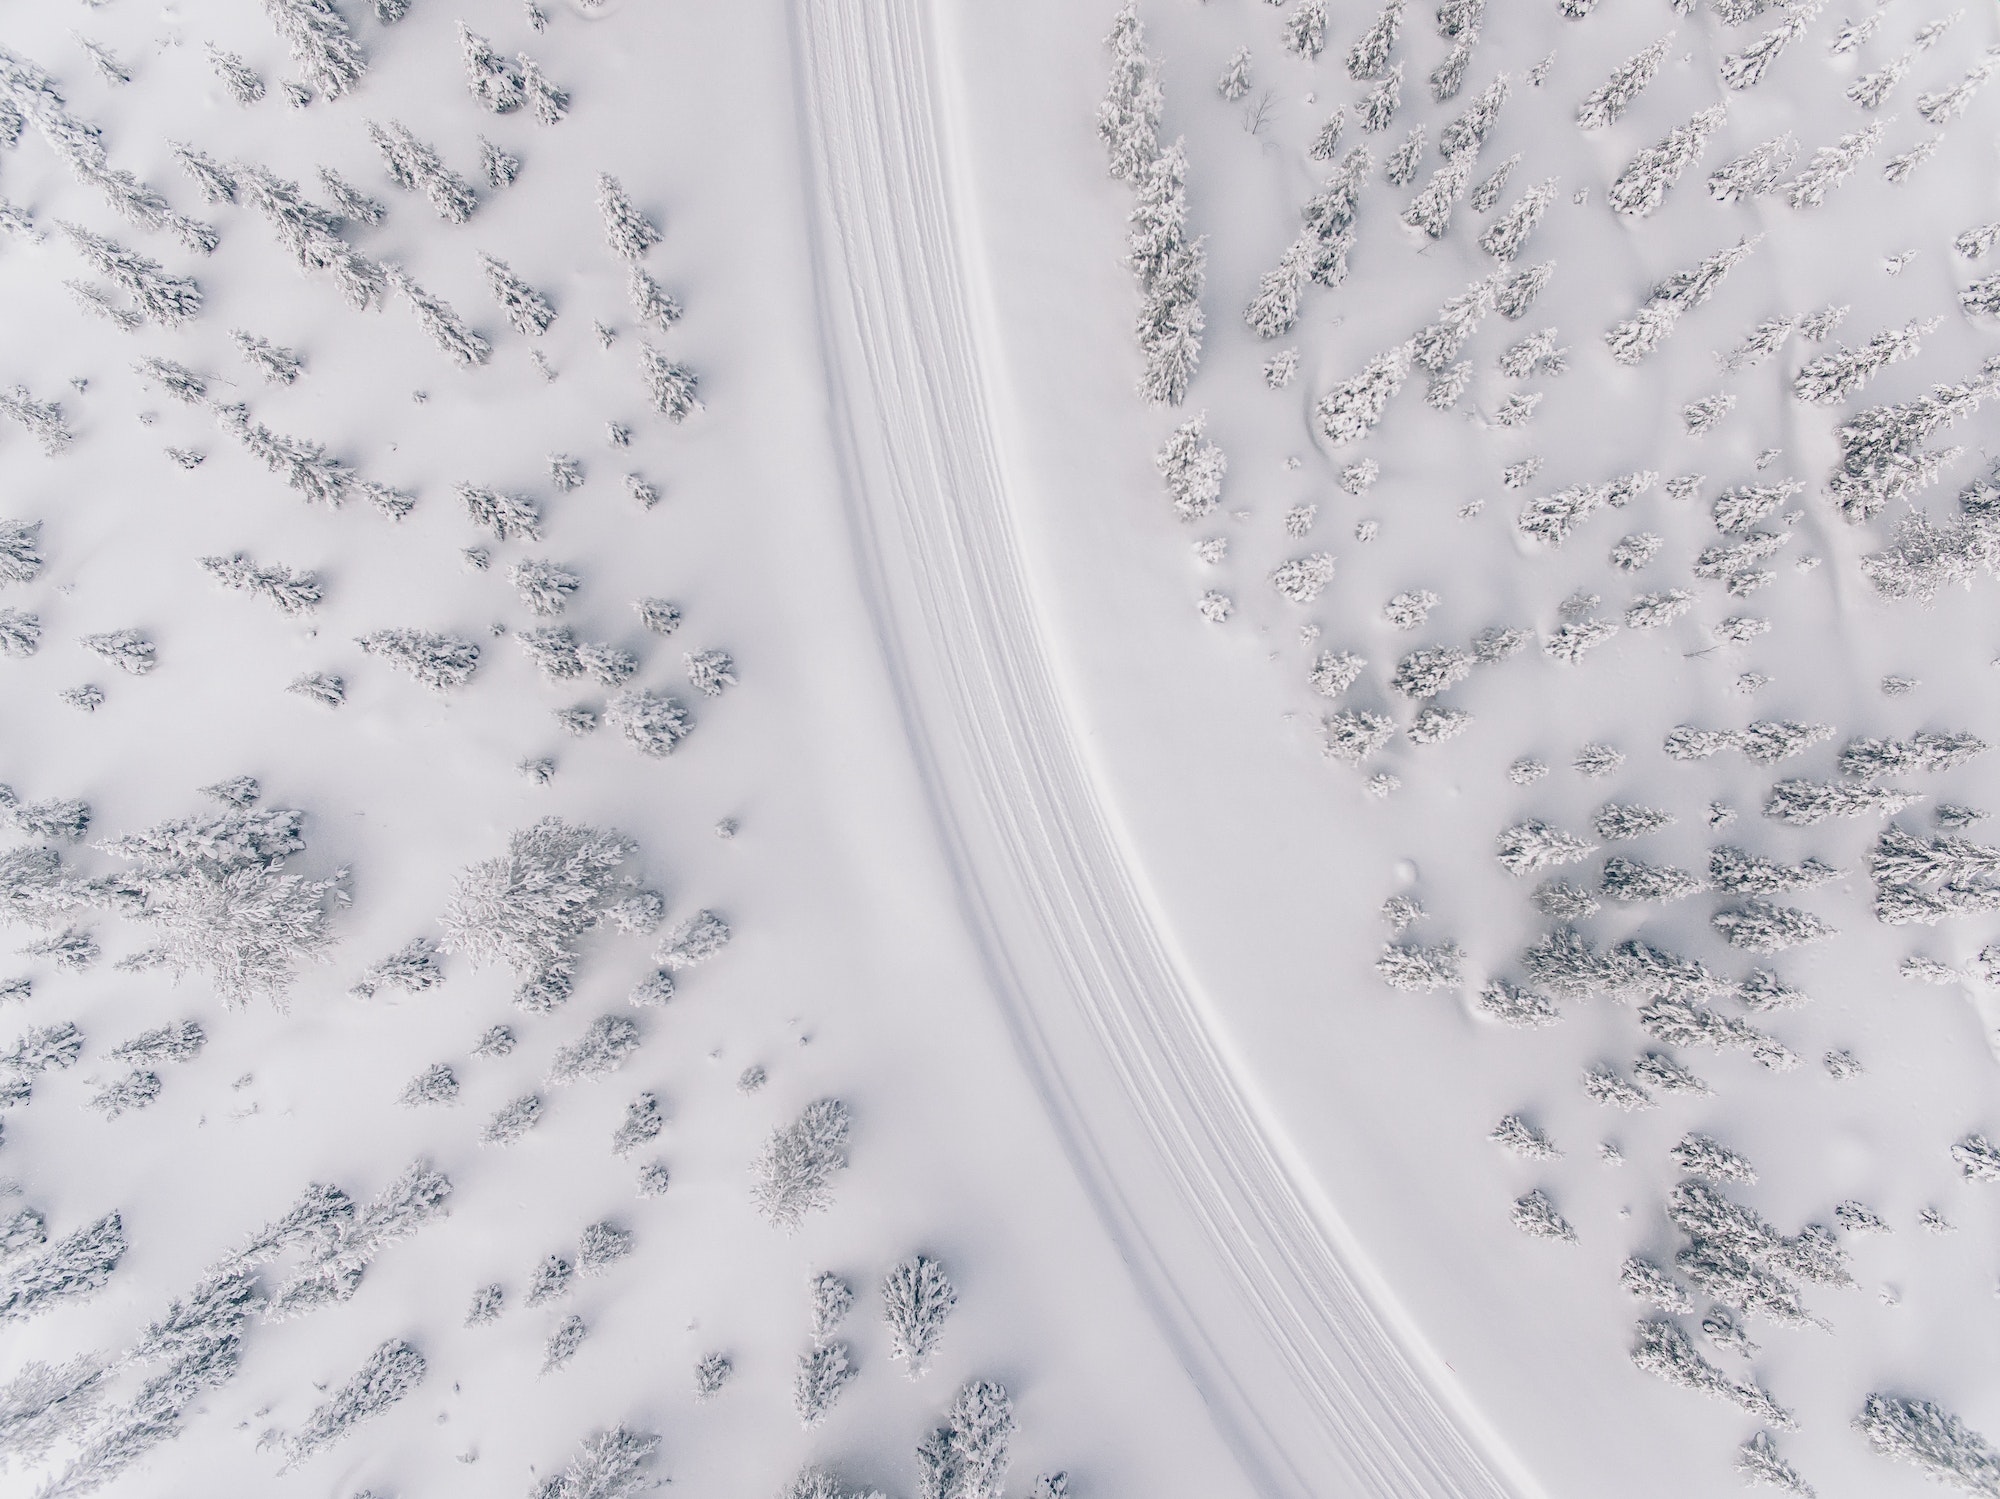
x=1290, y=1335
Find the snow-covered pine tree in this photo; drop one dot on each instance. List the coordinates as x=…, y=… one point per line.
x=322, y=45
x=1605, y=103
x=1430, y=211
x=238, y=78
x=1349, y=411
x=671, y=384
x=794, y=1173
x=500, y=167
x=1745, y=69
x=440, y=662
x=1170, y=325
x=159, y=297
x=495, y=82
x=823, y=1372
x=1305, y=29
x=215, y=182
x=1518, y=291
x=78, y=1265
x=527, y=309
x=1369, y=56
x=20, y=551
x=1836, y=376
x=1400, y=169
x=508, y=517
x=1448, y=77
x=548, y=102
x=447, y=329
x=1235, y=80
x=917, y=1297
x=629, y=232
x=652, y=724
x=1931, y=1439
x=1883, y=458
x=292, y=592
x=609, y=1465
x=1946, y=105
x=1643, y=184
x=528, y=908
x=1274, y=311
x=1832, y=165
x=1128, y=119
x=1378, y=106
x=417, y=166
x=311, y=233
x=352, y=202
x=600, y=1051
x=389, y=1374
x=1464, y=137
x=1505, y=236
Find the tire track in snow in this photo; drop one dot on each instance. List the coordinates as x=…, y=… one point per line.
x=1271, y=1308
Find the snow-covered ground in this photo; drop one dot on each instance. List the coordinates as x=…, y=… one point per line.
x=1042, y=871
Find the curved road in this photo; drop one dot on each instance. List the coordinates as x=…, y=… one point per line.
x=1270, y=1306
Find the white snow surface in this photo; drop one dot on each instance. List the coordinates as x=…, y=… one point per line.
x=1037, y=868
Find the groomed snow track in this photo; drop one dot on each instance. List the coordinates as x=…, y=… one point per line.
x=1271, y=1308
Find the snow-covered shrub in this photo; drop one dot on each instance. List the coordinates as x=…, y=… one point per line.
x=832, y=1300
x=544, y=586
x=1512, y=1005
x=1832, y=165
x=793, y=1175
x=390, y=1373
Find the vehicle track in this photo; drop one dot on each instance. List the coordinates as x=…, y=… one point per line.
x=1275, y=1314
